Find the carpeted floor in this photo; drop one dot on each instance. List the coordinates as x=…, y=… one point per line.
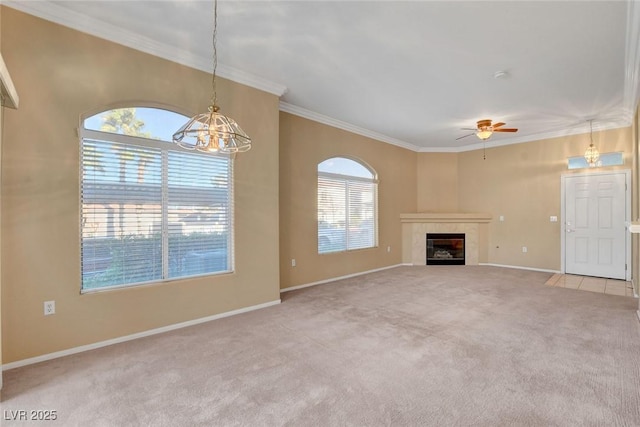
x=418, y=346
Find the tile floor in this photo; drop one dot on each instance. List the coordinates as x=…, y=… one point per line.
x=592, y=284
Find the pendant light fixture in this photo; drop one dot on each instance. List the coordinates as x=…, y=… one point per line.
x=591, y=155
x=212, y=132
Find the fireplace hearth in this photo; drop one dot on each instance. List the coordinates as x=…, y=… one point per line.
x=445, y=249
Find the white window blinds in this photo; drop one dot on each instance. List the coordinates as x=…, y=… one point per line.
x=332, y=209
x=199, y=214
x=347, y=207
x=361, y=214
x=121, y=203
x=152, y=213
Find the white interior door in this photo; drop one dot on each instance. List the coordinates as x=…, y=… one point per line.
x=595, y=225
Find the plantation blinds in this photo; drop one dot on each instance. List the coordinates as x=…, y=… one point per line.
x=151, y=211
x=347, y=206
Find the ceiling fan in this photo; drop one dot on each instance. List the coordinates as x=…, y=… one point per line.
x=485, y=129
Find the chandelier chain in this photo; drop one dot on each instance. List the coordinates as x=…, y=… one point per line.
x=215, y=54
x=213, y=132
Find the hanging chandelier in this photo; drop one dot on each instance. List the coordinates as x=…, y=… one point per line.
x=213, y=132
x=591, y=155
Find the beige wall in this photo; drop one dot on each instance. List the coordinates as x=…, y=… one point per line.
x=1, y=133
x=304, y=144
x=635, y=214
x=437, y=182
x=522, y=183
x=61, y=74
x=1, y=287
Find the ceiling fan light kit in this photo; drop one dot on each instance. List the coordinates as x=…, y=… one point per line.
x=484, y=134
x=484, y=129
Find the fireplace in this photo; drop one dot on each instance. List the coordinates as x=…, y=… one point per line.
x=474, y=226
x=445, y=249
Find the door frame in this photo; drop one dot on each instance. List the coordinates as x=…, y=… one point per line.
x=627, y=213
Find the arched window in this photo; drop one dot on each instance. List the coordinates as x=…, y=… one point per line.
x=347, y=206
x=151, y=211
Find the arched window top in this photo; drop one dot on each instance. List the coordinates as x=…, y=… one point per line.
x=144, y=122
x=346, y=167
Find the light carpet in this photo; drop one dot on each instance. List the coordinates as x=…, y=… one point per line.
x=410, y=346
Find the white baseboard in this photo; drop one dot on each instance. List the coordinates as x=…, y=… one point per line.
x=333, y=279
x=82, y=348
x=518, y=267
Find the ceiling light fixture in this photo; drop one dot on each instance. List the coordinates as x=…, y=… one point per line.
x=484, y=134
x=591, y=155
x=212, y=132
x=485, y=130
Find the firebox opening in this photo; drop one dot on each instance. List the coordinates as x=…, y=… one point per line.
x=445, y=249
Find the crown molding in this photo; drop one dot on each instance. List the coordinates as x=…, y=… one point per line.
x=63, y=16
x=568, y=131
x=320, y=118
x=9, y=95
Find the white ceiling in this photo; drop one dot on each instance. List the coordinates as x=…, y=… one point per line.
x=409, y=73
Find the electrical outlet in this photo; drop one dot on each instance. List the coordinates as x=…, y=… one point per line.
x=49, y=308
x=524, y=249
x=553, y=218
x=501, y=218
x=293, y=262
x=388, y=248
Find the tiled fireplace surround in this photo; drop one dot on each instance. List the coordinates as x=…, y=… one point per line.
x=415, y=227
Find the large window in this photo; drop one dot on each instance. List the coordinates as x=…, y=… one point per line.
x=347, y=206
x=151, y=211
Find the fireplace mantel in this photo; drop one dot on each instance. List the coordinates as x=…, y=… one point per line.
x=416, y=225
x=446, y=217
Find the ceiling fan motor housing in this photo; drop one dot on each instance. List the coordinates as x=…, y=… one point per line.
x=484, y=124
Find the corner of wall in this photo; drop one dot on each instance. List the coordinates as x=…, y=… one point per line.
x=437, y=182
